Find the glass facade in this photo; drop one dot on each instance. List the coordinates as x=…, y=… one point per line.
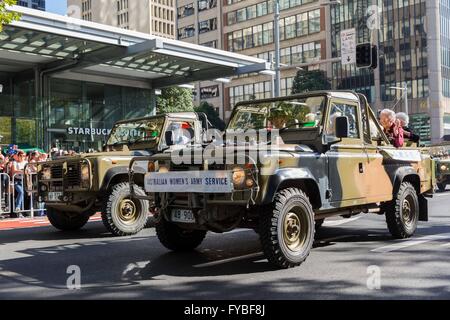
x=77, y=115
x=80, y=114
x=445, y=46
x=402, y=44
x=351, y=14
x=403, y=39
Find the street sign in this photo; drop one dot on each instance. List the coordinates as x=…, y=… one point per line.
x=348, y=47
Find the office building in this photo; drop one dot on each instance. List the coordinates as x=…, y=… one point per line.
x=33, y=4
x=156, y=17
x=200, y=22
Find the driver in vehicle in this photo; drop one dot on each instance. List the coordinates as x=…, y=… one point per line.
x=182, y=132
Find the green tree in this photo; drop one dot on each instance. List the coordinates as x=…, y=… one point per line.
x=175, y=99
x=7, y=17
x=212, y=115
x=312, y=80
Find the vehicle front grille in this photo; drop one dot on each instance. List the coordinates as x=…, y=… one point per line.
x=57, y=172
x=73, y=175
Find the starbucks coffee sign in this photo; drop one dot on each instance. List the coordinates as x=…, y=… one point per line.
x=88, y=131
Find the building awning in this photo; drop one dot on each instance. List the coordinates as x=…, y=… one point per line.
x=62, y=44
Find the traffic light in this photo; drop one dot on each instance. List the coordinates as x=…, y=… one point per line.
x=366, y=56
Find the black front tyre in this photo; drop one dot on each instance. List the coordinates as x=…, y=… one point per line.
x=287, y=229
x=122, y=215
x=175, y=238
x=402, y=214
x=65, y=221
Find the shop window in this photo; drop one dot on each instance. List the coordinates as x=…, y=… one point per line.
x=5, y=130
x=26, y=131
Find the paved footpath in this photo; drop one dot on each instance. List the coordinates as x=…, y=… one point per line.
x=12, y=224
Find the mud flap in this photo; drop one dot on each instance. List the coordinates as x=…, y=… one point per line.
x=423, y=208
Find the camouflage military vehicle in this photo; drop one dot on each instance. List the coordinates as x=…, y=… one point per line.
x=75, y=188
x=331, y=159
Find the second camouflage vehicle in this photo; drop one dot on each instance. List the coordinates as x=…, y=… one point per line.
x=331, y=158
x=75, y=188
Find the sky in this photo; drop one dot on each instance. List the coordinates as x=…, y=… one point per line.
x=56, y=6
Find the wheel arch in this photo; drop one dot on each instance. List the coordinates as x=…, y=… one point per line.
x=302, y=180
x=118, y=175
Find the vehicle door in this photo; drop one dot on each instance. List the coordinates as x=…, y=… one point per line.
x=377, y=182
x=346, y=157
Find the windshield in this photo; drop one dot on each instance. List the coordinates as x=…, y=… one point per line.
x=297, y=113
x=147, y=131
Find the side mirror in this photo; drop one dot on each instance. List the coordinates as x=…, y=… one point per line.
x=342, y=127
x=169, y=138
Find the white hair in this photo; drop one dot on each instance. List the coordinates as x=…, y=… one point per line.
x=403, y=117
x=389, y=113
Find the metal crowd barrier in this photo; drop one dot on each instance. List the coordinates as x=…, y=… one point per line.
x=8, y=194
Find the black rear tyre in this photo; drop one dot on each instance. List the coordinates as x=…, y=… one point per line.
x=65, y=221
x=402, y=214
x=175, y=238
x=287, y=229
x=442, y=186
x=123, y=215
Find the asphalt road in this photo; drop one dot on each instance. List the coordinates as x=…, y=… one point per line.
x=352, y=259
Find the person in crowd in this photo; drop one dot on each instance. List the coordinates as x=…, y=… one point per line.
x=43, y=157
x=403, y=118
x=16, y=171
x=392, y=128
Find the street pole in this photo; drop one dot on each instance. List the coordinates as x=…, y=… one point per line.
x=276, y=24
x=406, y=99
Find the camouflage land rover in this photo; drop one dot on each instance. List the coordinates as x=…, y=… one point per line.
x=330, y=158
x=75, y=188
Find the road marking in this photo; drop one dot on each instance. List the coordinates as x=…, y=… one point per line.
x=214, y=263
x=438, y=195
x=237, y=231
x=335, y=223
x=409, y=243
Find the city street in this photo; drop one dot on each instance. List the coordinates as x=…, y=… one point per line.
x=34, y=262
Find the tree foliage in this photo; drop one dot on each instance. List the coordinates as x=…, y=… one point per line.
x=6, y=16
x=175, y=99
x=212, y=115
x=312, y=80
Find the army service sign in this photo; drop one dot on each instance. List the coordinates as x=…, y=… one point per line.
x=189, y=181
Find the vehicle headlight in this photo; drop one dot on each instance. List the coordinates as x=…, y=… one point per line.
x=238, y=176
x=163, y=169
x=443, y=168
x=46, y=173
x=85, y=172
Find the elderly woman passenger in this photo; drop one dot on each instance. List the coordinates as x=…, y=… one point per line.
x=392, y=127
x=403, y=119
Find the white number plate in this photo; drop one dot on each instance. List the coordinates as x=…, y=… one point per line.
x=183, y=216
x=54, y=196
